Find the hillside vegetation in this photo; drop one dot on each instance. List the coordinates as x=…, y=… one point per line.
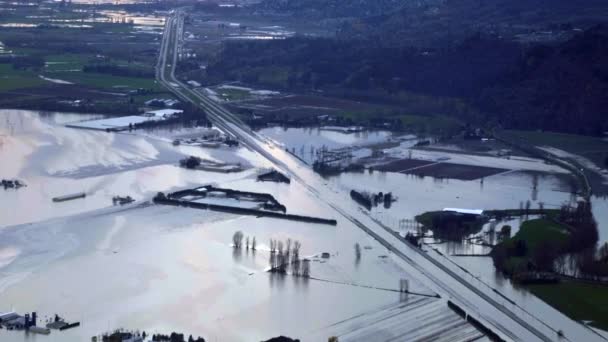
x=558, y=87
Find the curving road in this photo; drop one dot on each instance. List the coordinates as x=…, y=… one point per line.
x=501, y=315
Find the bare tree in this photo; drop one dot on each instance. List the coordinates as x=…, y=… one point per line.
x=237, y=239
x=305, y=272
x=357, y=251
x=273, y=245
x=295, y=266
x=253, y=244
x=280, y=246
x=296, y=248
x=560, y=264
x=247, y=243
x=288, y=247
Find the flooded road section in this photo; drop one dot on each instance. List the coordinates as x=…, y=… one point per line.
x=161, y=268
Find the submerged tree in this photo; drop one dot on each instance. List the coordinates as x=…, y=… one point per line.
x=357, y=251
x=280, y=246
x=237, y=239
x=296, y=266
x=288, y=247
x=305, y=271
x=296, y=249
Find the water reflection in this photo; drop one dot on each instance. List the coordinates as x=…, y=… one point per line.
x=301, y=283
x=237, y=254
x=277, y=280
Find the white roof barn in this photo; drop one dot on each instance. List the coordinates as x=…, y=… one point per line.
x=465, y=211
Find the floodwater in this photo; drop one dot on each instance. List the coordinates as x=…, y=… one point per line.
x=416, y=195
x=304, y=142
x=161, y=268
x=54, y=160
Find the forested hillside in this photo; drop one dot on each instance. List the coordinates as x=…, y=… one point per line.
x=562, y=88
x=442, y=22
x=559, y=87
x=332, y=8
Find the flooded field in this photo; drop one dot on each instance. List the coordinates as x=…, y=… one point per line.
x=43, y=153
x=530, y=180
x=161, y=268
x=305, y=142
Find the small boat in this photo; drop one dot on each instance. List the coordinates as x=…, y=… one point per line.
x=69, y=197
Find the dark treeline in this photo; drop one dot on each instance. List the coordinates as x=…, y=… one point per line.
x=119, y=336
x=558, y=87
x=442, y=22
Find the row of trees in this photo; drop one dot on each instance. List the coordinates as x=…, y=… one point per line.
x=237, y=241
x=120, y=336
x=286, y=256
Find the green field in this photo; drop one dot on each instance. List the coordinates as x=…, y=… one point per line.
x=105, y=81
x=65, y=62
x=231, y=94
x=534, y=244
x=579, y=301
x=539, y=231
x=11, y=79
